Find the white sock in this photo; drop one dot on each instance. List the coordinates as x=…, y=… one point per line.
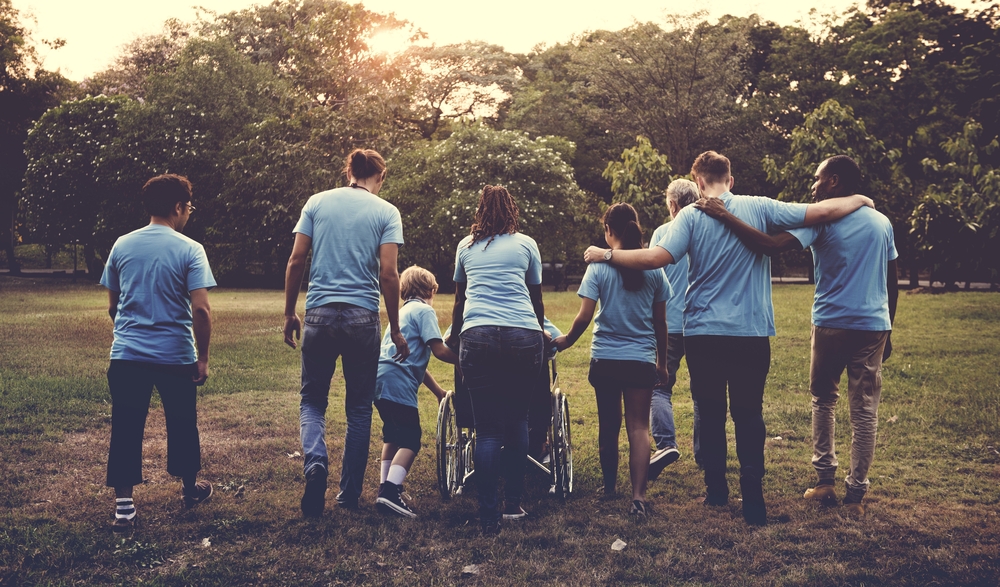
x=396, y=474
x=385, y=470
x=125, y=508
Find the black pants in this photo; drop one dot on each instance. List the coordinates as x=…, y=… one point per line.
x=741, y=363
x=131, y=384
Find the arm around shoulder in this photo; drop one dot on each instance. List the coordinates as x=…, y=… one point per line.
x=835, y=208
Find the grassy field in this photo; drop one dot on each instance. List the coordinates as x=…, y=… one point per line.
x=933, y=515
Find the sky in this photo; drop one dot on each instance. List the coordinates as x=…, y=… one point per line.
x=96, y=30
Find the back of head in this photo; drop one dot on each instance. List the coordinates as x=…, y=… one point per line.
x=711, y=167
x=417, y=282
x=848, y=173
x=683, y=192
x=623, y=221
x=364, y=163
x=497, y=214
x=162, y=193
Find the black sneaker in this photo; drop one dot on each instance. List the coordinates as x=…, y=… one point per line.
x=390, y=500
x=661, y=459
x=346, y=503
x=639, y=509
x=491, y=527
x=512, y=510
x=314, y=498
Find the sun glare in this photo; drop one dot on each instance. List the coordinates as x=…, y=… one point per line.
x=390, y=42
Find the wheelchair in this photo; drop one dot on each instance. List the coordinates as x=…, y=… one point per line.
x=456, y=441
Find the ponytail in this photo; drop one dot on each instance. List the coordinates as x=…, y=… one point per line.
x=624, y=223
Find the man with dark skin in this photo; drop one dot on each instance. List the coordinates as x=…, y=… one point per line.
x=852, y=315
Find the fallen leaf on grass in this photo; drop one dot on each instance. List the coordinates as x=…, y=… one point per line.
x=205, y=542
x=470, y=570
x=618, y=545
x=893, y=419
x=777, y=438
x=293, y=455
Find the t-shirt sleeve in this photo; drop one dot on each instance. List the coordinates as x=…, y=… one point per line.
x=459, y=268
x=533, y=276
x=305, y=224
x=551, y=328
x=664, y=291
x=589, y=287
x=783, y=215
x=199, y=271
x=393, y=231
x=806, y=235
x=429, y=329
x=893, y=255
x=109, y=278
x=677, y=237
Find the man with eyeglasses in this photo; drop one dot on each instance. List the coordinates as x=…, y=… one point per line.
x=158, y=282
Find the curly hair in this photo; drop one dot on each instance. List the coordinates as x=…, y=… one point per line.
x=496, y=215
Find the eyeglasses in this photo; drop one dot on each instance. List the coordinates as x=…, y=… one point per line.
x=190, y=208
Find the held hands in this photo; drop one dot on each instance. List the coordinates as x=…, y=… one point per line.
x=713, y=207
x=594, y=255
x=562, y=342
x=402, y=349
x=292, y=326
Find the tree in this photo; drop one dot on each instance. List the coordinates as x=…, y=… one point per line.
x=436, y=186
x=641, y=178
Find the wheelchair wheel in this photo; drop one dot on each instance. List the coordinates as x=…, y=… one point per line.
x=450, y=453
x=561, y=447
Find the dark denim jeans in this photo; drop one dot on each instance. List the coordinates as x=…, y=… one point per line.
x=331, y=331
x=131, y=384
x=741, y=364
x=661, y=421
x=501, y=368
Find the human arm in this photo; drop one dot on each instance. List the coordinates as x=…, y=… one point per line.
x=442, y=352
x=755, y=240
x=293, y=282
x=835, y=208
x=535, y=293
x=660, y=330
x=113, y=297
x=580, y=324
x=432, y=384
x=892, y=285
x=201, y=314
x=389, y=283
x=644, y=259
x=457, y=314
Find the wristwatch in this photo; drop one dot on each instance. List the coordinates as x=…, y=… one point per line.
x=607, y=255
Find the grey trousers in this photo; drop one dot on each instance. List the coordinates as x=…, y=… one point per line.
x=860, y=352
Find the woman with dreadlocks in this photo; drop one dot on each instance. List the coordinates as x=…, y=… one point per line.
x=497, y=325
x=628, y=350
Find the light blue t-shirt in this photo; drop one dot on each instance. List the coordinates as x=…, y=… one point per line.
x=399, y=381
x=497, y=278
x=677, y=277
x=851, y=257
x=347, y=226
x=623, y=328
x=729, y=291
x=155, y=269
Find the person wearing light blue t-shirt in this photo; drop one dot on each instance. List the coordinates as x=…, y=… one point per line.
x=628, y=351
x=354, y=236
x=680, y=194
x=497, y=324
x=158, y=282
x=398, y=382
x=728, y=318
x=852, y=314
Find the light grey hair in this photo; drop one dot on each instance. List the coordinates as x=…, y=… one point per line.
x=683, y=192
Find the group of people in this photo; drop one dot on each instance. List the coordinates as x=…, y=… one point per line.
x=701, y=289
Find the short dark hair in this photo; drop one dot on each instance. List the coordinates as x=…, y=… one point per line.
x=163, y=192
x=711, y=167
x=364, y=163
x=847, y=171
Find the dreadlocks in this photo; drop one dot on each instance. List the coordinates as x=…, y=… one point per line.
x=496, y=214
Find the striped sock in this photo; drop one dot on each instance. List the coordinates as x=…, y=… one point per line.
x=124, y=508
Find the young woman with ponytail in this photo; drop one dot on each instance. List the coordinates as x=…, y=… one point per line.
x=628, y=350
x=497, y=327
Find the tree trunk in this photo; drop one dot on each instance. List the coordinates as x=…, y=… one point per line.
x=94, y=266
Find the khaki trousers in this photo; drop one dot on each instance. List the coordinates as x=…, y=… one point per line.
x=860, y=352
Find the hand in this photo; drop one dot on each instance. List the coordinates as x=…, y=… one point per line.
x=402, y=349
x=454, y=343
x=661, y=374
x=866, y=201
x=546, y=337
x=201, y=375
x=441, y=397
x=887, y=352
x=562, y=342
x=292, y=325
x=594, y=255
x=714, y=207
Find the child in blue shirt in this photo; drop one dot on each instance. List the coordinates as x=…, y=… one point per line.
x=398, y=381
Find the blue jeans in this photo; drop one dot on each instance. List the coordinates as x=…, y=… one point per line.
x=661, y=421
x=501, y=368
x=331, y=331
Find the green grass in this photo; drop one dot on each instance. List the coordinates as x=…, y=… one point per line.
x=933, y=518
